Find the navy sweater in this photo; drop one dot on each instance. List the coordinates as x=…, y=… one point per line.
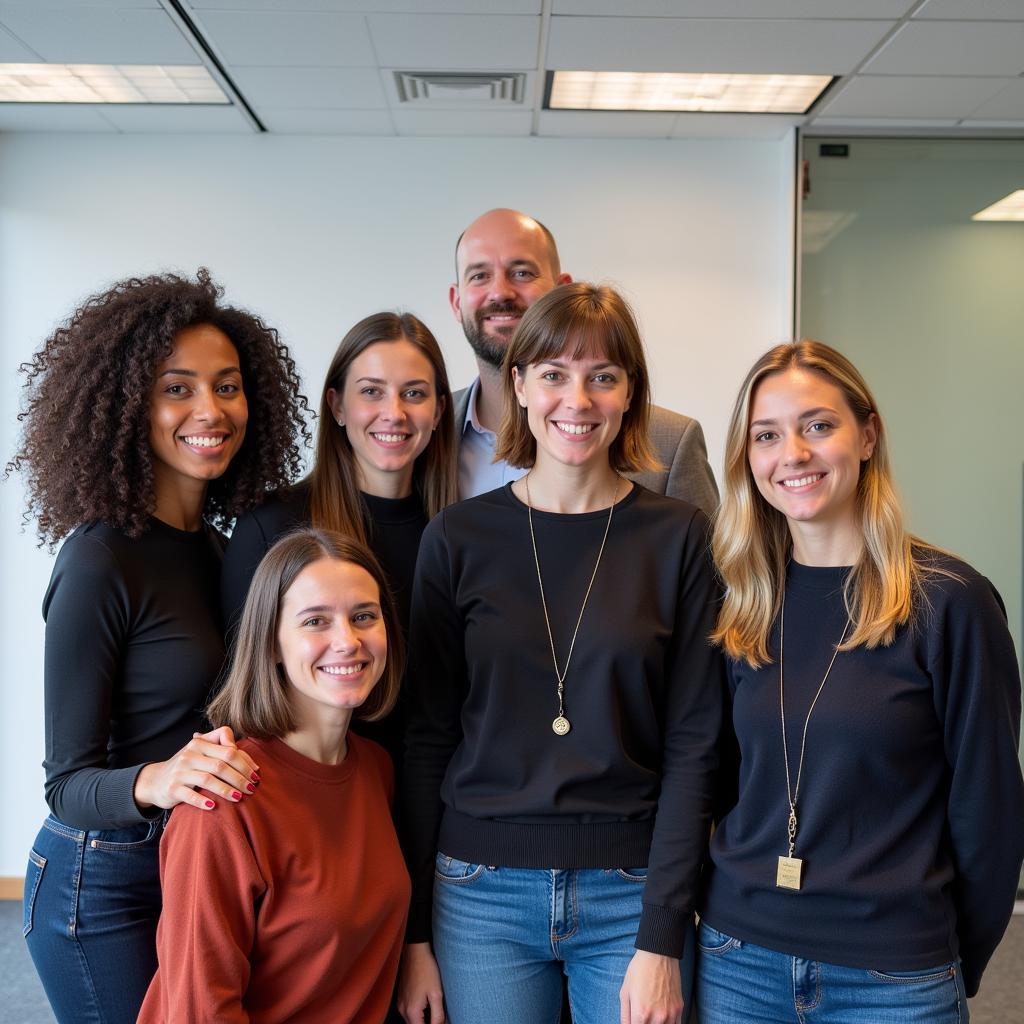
x=911, y=809
x=486, y=780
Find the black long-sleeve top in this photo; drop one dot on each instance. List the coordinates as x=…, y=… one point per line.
x=486, y=779
x=911, y=807
x=134, y=645
x=394, y=526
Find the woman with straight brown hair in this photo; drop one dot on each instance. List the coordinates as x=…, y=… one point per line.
x=384, y=466
x=294, y=909
x=867, y=867
x=564, y=703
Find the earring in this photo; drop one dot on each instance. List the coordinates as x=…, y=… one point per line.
x=341, y=422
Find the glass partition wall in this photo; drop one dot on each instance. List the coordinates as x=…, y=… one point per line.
x=929, y=303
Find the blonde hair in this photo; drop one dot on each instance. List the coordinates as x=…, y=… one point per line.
x=579, y=318
x=254, y=699
x=752, y=542
x=335, y=501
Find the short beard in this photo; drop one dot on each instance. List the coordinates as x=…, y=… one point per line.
x=487, y=349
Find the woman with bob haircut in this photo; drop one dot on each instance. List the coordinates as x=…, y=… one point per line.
x=154, y=416
x=564, y=702
x=867, y=868
x=292, y=907
x=385, y=464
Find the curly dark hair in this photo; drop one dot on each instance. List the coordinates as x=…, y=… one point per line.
x=84, y=447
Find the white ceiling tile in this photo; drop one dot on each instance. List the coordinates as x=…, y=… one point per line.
x=65, y=5
x=13, y=52
x=178, y=120
x=901, y=97
x=952, y=48
x=311, y=88
x=452, y=122
x=100, y=36
x=853, y=127
x=327, y=122
x=593, y=124
x=373, y=6
x=660, y=44
x=440, y=41
x=884, y=122
x=737, y=8
x=1006, y=105
x=733, y=126
x=51, y=117
x=1016, y=126
x=978, y=10
x=301, y=39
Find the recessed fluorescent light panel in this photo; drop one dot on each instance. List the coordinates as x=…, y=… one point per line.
x=720, y=94
x=108, y=83
x=1009, y=208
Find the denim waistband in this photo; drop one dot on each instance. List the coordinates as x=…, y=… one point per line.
x=144, y=829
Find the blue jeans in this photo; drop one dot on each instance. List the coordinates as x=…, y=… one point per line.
x=92, y=900
x=504, y=936
x=739, y=982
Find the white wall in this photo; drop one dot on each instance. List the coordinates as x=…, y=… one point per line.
x=315, y=233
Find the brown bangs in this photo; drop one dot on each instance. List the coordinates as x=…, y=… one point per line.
x=575, y=321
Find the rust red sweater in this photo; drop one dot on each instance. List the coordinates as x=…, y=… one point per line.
x=289, y=906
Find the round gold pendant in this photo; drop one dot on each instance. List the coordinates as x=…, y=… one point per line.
x=560, y=726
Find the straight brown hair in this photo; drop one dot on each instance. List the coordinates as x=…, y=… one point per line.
x=254, y=698
x=577, y=319
x=335, y=501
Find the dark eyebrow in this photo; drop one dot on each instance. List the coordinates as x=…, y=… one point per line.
x=562, y=363
x=313, y=608
x=372, y=605
x=178, y=372
x=377, y=380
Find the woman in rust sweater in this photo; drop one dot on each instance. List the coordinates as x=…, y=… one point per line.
x=294, y=909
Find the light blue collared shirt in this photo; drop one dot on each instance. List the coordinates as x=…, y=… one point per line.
x=478, y=473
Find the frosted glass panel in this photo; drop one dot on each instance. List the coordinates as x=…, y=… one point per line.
x=930, y=305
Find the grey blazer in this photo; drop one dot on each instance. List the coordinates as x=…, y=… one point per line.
x=679, y=444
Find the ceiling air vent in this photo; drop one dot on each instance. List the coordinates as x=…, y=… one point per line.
x=460, y=88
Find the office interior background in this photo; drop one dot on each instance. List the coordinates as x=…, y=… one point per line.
x=349, y=149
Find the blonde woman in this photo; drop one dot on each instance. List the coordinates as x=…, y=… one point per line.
x=868, y=866
x=294, y=909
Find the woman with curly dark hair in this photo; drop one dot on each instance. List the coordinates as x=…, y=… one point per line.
x=153, y=415
x=385, y=465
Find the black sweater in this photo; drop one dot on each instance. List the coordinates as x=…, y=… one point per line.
x=394, y=526
x=134, y=644
x=911, y=808
x=630, y=784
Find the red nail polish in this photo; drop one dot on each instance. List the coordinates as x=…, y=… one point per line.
x=210, y=803
x=235, y=795
x=249, y=786
x=255, y=777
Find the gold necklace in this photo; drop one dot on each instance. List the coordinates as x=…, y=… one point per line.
x=790, y=868
x=560, y=726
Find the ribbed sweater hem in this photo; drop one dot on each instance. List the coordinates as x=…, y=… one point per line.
x=611, y=844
